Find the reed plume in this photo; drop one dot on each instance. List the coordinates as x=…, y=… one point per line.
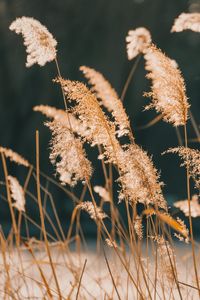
x=137, y=41
x=102, y=192
x=186, y=21
x=67, y=119
x=95, y=212
x=194, y=206
x=39, y=42
x=109, y=99
x=138, y=177
x=191, y=158
x=138, y=227
x=15, y=157
x=68, y=154
x=166, y=259
x=87, y=109
x=168, y=91
x=17, y=193
x=111, y=243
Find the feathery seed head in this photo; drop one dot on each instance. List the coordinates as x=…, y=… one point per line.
x=168, y=87
x=64, y=118
x=17, y=193
x=137, y=41
x=138, y=227
x=94, y=211
x=187, y=21
x=194, y=206
x=109, y=99
x=101, y=130
x=15, y=157
x=166, y=258
x=103, y=193
x=111, y=243
x=139, y=178
x=191, y=157
x=39, y=42
x=68, y=155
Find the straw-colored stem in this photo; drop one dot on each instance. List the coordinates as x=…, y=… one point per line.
x=189, y=208
x=133, y=69
x=42, y=216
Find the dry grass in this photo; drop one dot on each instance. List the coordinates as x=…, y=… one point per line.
x=135, y=258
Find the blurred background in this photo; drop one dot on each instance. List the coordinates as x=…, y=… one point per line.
x=92, y=33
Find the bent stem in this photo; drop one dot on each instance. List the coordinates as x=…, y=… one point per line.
x=42, y=216
x=189, y=207
x=14, y=224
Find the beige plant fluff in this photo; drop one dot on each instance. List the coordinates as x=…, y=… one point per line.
x=194, y=206
x=65, y=118
x=166, y=259
x=138, y=177
x=68, y=154
x=168, y=91
x=186, y=21
x=88, y=110
x=102, y=192
x=39, y=42
x=138, y=227
x=15, y=157
x=109, y=99
x=137, y=41
x=95, y=212
x=191, y=158
x=17, y=193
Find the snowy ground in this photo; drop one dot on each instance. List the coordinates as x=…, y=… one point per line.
x=96, y=282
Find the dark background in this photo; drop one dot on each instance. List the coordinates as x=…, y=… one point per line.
x=92, y=33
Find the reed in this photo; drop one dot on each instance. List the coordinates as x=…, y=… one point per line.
x=136, y=257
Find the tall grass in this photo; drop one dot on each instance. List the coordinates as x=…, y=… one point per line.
x=136, y=257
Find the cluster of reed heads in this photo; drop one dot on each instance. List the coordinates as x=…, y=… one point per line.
x=94, y=115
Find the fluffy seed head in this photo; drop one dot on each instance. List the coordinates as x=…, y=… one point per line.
x=139, y=178
x=166, y=259
x=137, y=41
x=95, y=212
x=103, y=193
x=138, y=227
x=168, y=87
x=67, y=119
x=88, y=110
x=68, y=155
x=15, y=157
x=186, y=21
x=17, y=193
x=109, y=99
x=39, y=42
x=111, y=244
x=190, y=157
x=194, y=206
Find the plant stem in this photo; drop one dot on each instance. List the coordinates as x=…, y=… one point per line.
x=133, y=69
x=42, y=216
x=189, y=207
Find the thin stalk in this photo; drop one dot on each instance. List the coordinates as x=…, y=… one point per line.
x=189, y=207
x=113, y=281
x=20, y=213
x=9, y=196
x=133, y=69
x=42, y=216
x=194, y=125
x=79, y=284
